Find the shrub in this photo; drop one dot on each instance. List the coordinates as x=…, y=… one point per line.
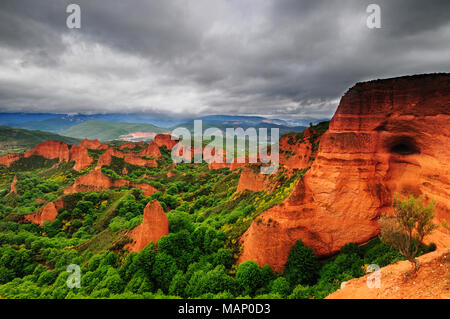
x=412, y=221
x=302, y=266
x=249, y=277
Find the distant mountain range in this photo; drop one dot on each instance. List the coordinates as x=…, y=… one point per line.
x=108, y=131
x=60, y=122
x=107, y=127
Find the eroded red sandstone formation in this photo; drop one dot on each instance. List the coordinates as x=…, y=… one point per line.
x=48, y=213
x=297, y=154
x=55, y=150
x=386, y=136
x=106, y=158
x=50, y=150
x=80, y=155
x=165, y=140
x=8, y=159
x=252, y=179
x=96, y=181
x=152, y=150
x=93, y=145
x=154, y=226
x=13, y=185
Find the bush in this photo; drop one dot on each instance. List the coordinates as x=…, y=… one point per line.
x=412, y=221
x=249, y=277
x=302, y=266
x=280, y=286
x=302, y=292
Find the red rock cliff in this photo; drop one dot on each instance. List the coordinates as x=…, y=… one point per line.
x=93, y=145
x=13, y=185
x=8, y=159
x=154, y=226
x=80, y=155
x=165, y=140
x=252, y=179
x=386, y=136
x=48, y=213
x=50, y=150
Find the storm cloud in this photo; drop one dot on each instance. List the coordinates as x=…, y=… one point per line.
x=278, y=58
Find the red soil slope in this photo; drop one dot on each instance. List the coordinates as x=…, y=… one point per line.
x=432, y=281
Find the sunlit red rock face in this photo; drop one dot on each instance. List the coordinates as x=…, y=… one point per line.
x=8, y=159
x=80, y=155
x=165, y=140
x=252, y=179
x=50, y=150
x=56, y=150
x=106, y=158
x=13, y=185
x=93, y=145
x=387, y=136
x=48, y=213
x=297, y=154
x=152, y=150
x=154, y=225
x=96, y=181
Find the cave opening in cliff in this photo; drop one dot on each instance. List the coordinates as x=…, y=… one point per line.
x=403, y=146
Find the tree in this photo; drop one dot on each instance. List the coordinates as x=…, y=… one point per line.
x=249, y=277
x=280, y=286
x=411, y=222
x=302, y=266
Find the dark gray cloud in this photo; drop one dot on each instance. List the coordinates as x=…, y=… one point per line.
x=282, y=58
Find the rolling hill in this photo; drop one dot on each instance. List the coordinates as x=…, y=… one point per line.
x=14, y=140
x=108, y=131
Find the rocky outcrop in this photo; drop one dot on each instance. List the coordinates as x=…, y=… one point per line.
x=106, y=158
x=48, y=213
x=96, y=181
x=80, y=155
x=152, y=150
x=13, y=188
x=154, y=226
x=55, y=150
x=386, y=136
x=93, y=145
x=50, y=150
x=252, y=179
x=165, y=140
x=8, y=159
x=170, y=174
x=297, y=151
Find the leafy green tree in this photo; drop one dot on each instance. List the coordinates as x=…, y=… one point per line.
x=302, y=292
x=412, y=221
x=178, y=245
x=164, y=269
x=249, y=277
x=302, y=266
x=280, y=286
x=178, y=284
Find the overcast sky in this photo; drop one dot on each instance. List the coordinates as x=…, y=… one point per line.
x=278, y=58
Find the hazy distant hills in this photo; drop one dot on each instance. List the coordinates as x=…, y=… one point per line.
x=108, y=131
x=106, y=127
x=14, y=140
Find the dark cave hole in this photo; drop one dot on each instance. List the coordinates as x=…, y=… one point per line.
x=404, y=146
